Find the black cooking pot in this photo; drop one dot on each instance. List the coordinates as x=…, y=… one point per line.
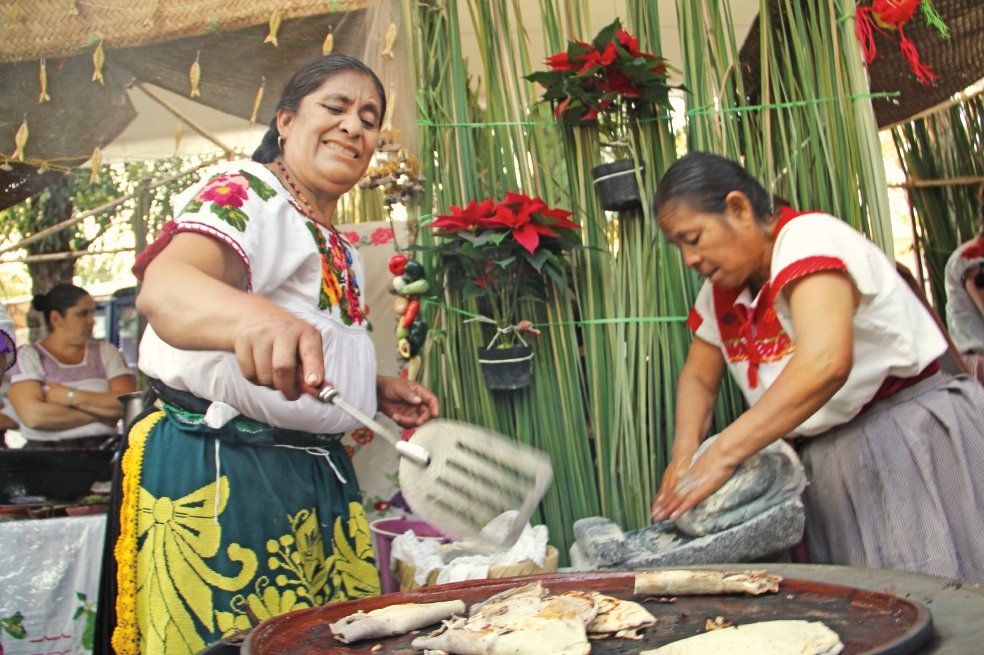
x=38, y=476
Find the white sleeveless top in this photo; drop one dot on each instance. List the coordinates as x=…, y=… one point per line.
x=894, y=335
x=308, y=270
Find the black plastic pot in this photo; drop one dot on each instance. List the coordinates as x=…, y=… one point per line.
x=505, y=369
x=616, y=186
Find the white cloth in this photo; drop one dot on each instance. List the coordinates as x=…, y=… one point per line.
x=963, y=318
x=101, y=363
x=894, y=335
x=426, y=554
x=278, y=245
x=49, y=574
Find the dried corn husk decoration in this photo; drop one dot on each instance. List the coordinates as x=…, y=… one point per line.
x=275, y=19
x=98, y=59
x=329, y=44
x=72, y=9
x=177, y=138
x=20, y=140
x=151, y=12
x=43, y=76
x=14, y=17
x=195, y=76
x=96, y=161
x=257, y=101
x=390, y=40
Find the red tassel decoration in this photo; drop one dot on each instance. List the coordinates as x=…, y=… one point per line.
x=921, y=70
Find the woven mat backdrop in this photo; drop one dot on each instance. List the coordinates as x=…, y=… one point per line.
x=47, y=28
x=83, y=114
x=959, y=61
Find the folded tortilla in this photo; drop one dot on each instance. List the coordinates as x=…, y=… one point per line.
x=615, y=615
x=696, y=583
x=521, y=623
x=393, y=620
x=765, y=638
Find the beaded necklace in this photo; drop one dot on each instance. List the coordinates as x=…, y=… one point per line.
x=338, y=284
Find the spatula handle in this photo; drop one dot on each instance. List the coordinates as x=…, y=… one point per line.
x=414, y=453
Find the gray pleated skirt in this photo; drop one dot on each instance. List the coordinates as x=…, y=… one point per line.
x=902, y=486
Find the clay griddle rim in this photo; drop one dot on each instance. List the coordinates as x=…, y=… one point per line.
x=918, y=633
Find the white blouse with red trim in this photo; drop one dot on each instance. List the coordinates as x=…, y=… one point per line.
x=963, y=318
x=894, y=335
x=301, y=267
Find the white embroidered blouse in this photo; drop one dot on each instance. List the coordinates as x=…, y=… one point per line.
x=308, y=270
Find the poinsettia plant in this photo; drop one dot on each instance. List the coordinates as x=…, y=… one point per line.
x=503, y=252
x=608, y=75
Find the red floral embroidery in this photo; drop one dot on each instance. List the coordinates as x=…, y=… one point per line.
x=225, y=191
x=351, y=237
x=381, y=235
x=362, y=436
x=975, y=251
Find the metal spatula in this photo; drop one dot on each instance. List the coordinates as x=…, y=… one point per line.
x=461, y=476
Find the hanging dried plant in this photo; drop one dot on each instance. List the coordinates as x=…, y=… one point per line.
x=390, y=41
x=20, y=140
x=329, y=43
x=275, y=18
x=98, y=59
x=43, y=76
x=96, y=162
x=195, y=76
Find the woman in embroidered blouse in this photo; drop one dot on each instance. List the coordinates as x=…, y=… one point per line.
x=965, y=297
x=64, y=389
x=237, y=498
x=827, y=343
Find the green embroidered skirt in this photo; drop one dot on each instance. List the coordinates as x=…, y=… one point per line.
x=219, y=524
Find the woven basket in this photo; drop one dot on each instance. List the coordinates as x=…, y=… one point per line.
x=46, y=28
x=405, y=572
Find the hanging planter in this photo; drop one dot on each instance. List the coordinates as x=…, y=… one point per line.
x=616, y=185
x=506, y=369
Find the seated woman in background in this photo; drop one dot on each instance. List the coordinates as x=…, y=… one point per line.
x=965, y=297
x=64, y=388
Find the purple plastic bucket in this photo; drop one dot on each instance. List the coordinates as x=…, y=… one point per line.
x=383, y=533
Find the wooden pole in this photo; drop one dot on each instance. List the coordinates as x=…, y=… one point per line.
x=103, y=208
x=953, y=181
x=53, y=256
x=915, y=241
x=190, y=122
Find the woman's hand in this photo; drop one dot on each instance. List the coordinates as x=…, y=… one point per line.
x=56, y=394
x=711, y=470
x=679, y=465
x=409, y=404
x=277, y=350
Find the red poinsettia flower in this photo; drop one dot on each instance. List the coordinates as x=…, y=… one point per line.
x=629, y=42
x=468, y=218
x=516, y=213
x=560, y=62
x=225, y=191
x=595, y=58
x=617, y=82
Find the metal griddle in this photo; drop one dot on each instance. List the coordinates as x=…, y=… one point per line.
x=868, y=622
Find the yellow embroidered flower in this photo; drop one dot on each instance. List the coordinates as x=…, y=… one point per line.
x=172, y=576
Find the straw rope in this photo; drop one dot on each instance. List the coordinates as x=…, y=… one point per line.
x=46, y=28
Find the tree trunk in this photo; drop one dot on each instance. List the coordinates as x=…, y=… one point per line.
x=47, y=274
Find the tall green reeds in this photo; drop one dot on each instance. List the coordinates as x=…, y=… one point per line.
x=945, y=145
x=809, y=133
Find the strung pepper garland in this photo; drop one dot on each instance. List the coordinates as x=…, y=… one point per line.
x=409, y=284
x=884, y=15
